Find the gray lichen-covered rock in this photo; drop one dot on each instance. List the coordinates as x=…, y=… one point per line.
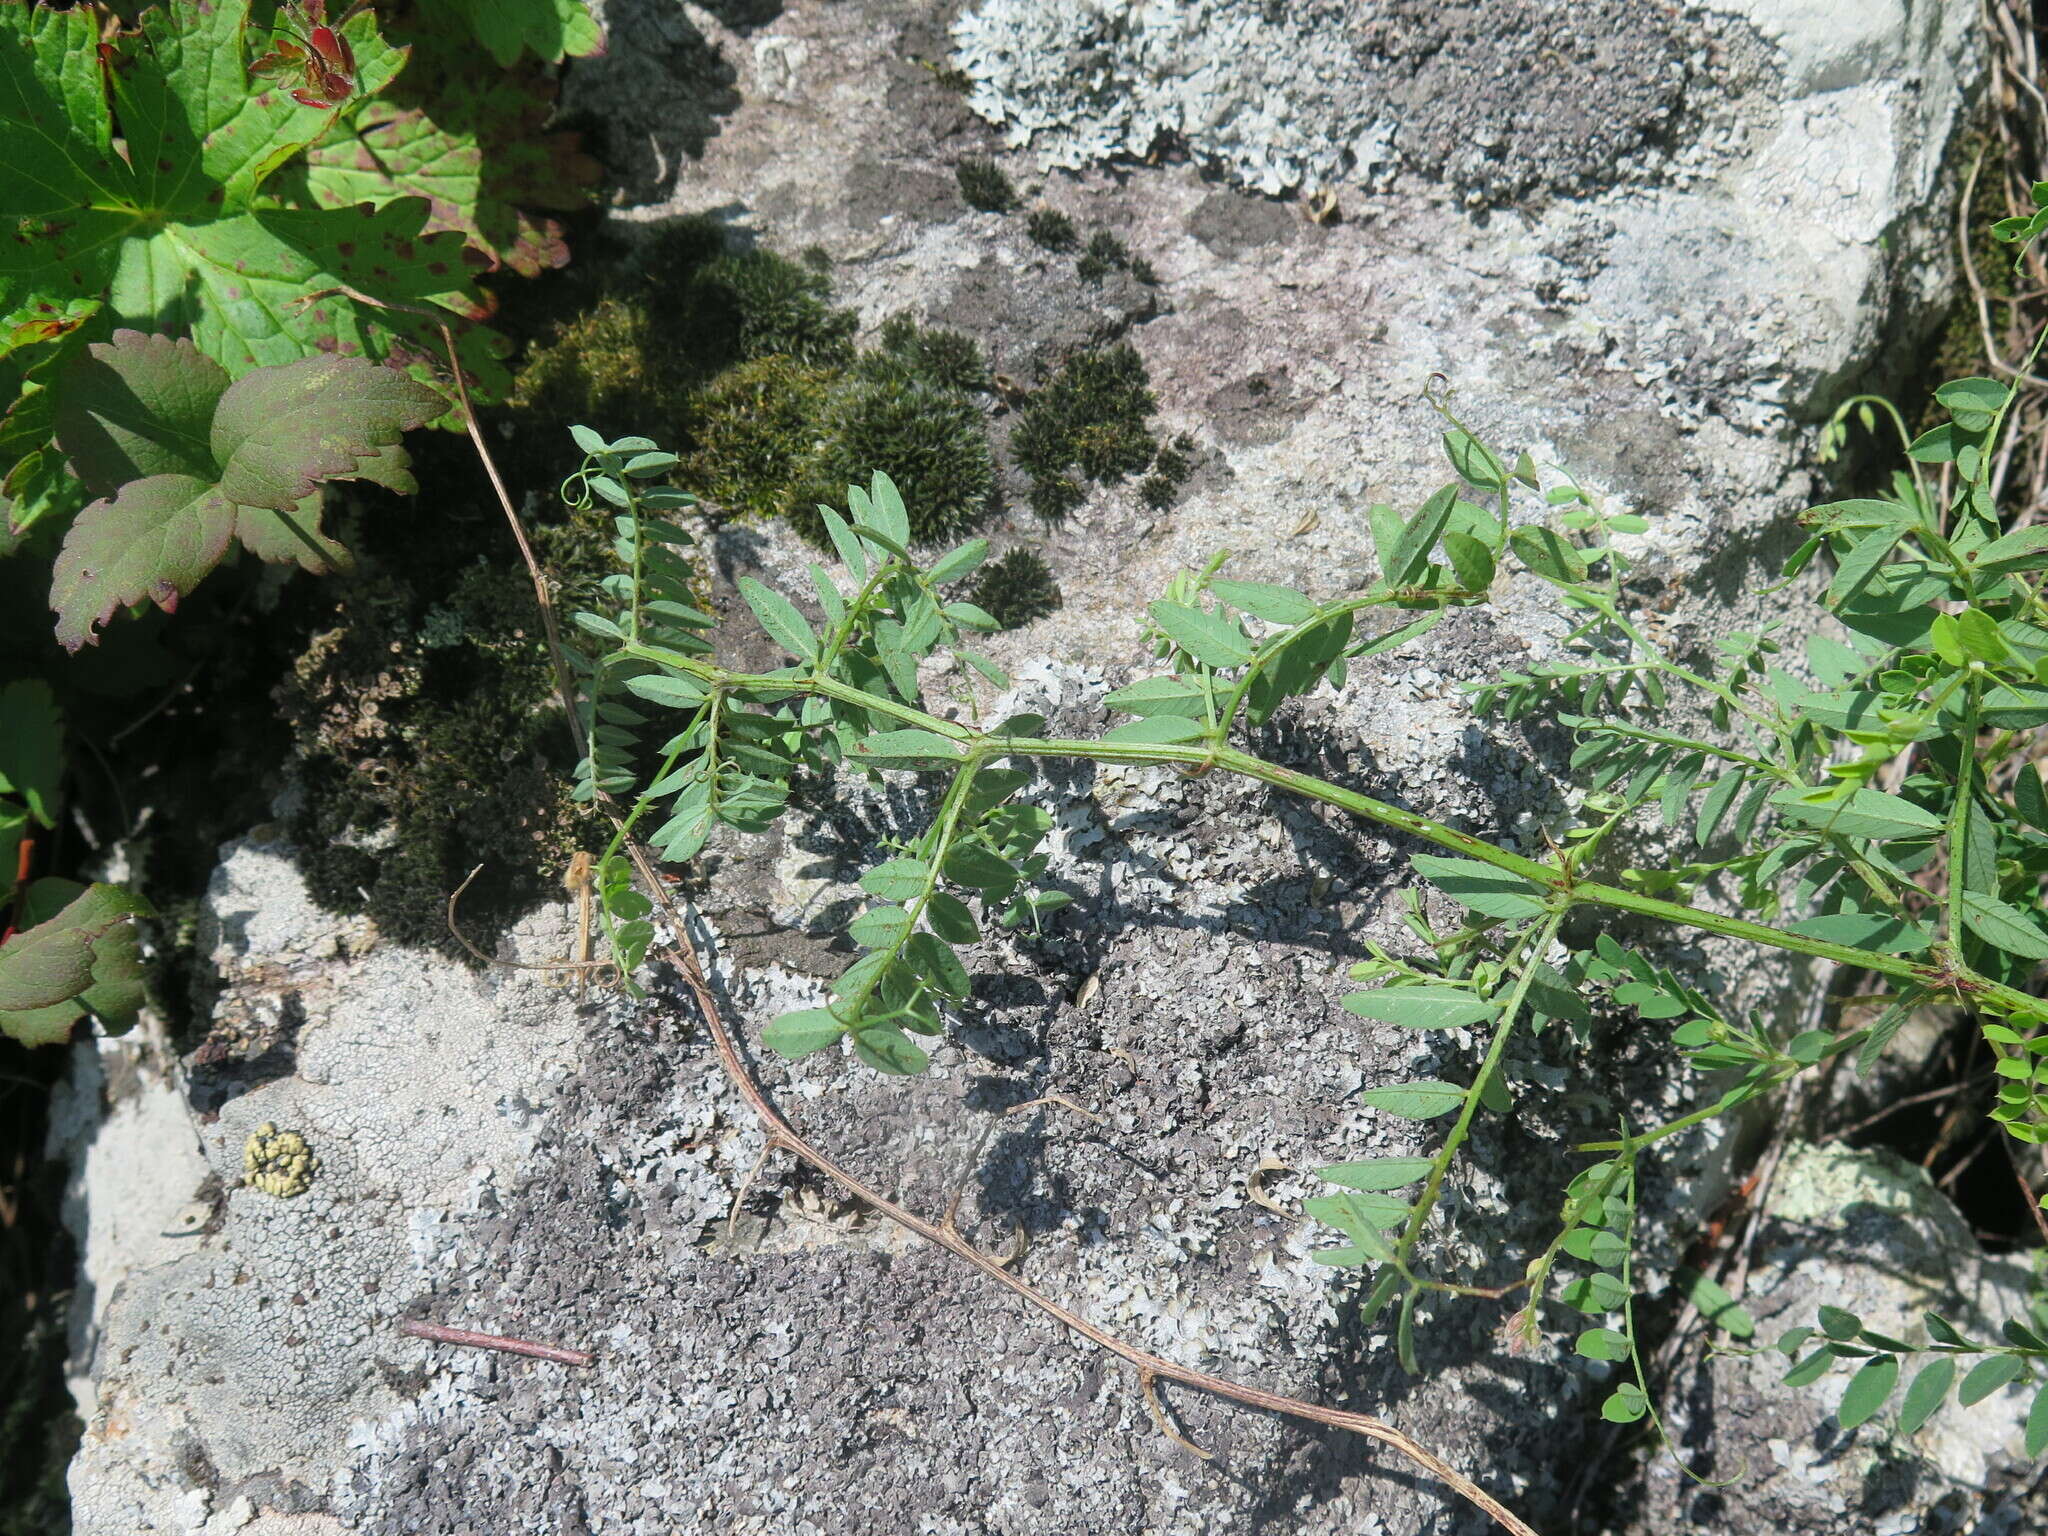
x=1869, y=1233
x=770, y=1359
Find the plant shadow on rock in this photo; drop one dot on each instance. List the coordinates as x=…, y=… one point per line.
x=658, y=93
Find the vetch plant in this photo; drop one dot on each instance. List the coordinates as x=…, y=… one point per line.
x=1878, y=809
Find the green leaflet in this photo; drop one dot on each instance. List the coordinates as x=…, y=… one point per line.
x=1160, y=696
x=1867, y=1391
x=1211, y=639
x=1422, y=1007
x=779, y=617
x=1997, y=922
x=1486, y=890
x=1378, y=1173
x=795, y=1035
x=1277, y=605
x=1866, y=813
x=1988, y=1376
x=1422, y=1100
x=1926, y=1393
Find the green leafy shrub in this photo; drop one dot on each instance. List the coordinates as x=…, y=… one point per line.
x=984, y=186
x=1016, y=589
x=1086, y=423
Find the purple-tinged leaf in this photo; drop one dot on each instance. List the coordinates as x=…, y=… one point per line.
x=137, y=406
x=156, y=539
x=279, y=432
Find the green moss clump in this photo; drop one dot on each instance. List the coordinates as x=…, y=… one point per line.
x=1087, y=421
x=756, y=429
x=774, y=308
x=666, y=326
x=596, y=367
x=984, y=186
x=1170, y=471
x=933, y=442
x=419, y=762
x=1053, y=230
x=1107, y=254
x=1016, y=589
x=938, y=356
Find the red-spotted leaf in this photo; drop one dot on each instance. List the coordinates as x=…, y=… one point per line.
x=477, y=146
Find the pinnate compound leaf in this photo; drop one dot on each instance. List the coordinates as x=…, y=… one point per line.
x=1867, y=1391
x=1421, y=1100
x=79, y=953
x=1926, y=1393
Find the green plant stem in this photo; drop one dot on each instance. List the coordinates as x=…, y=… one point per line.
x=1958, y=833
x=1537, y=942
x=1948, y=975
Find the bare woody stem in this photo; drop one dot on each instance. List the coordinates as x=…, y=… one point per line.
x=504, y=1346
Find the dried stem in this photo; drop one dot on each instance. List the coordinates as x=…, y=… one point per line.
x=503, y=1346
x=683, y=954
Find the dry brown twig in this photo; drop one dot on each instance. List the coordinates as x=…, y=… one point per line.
x=682, y=954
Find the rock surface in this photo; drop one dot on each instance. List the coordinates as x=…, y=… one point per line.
x=494, y=1157
x=1867, y=1232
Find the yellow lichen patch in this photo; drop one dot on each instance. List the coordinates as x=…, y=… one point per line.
x=278, y=1162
